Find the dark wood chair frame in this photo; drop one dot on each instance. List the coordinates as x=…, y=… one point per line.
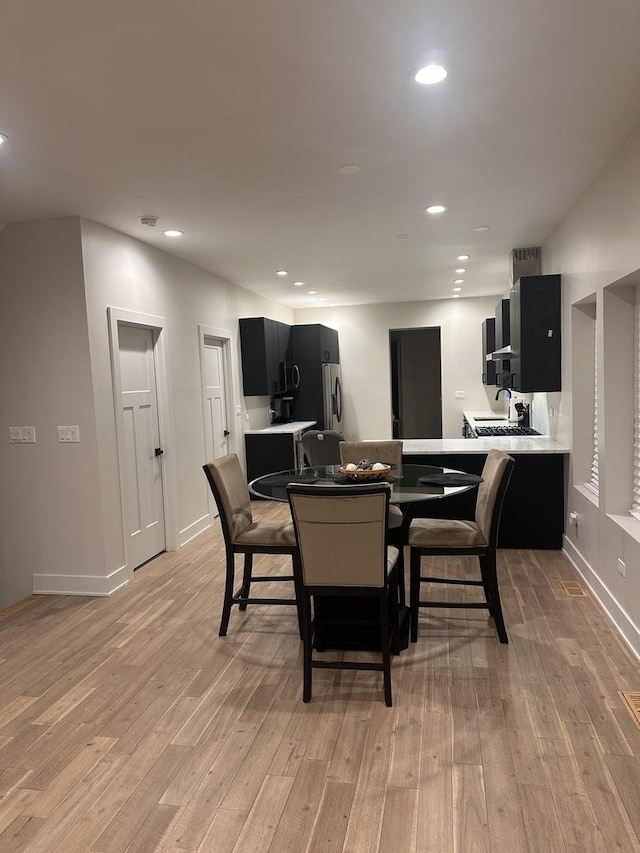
x=388, y=617
x=242, y=596
x=488, y=570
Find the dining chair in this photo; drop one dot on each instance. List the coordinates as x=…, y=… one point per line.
x=343, y=551
x=321, y=446
x=445, y=537
x=243, y=535
x=389, y=451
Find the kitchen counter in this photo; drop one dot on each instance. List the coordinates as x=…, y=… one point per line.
x=279, y=429
x=533, y=511
x=511, y=444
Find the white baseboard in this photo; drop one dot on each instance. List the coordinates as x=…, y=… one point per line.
x=194, y=529
x=81, y=584
x=625, y=626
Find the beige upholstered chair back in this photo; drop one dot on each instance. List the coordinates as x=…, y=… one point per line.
x=376, y=451
x=342, y=538
x=231, y=493
x=493, y=471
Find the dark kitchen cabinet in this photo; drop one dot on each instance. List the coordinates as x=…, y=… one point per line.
x=264, y=344
x=312, y=347
x=489, y=372
x=535, y=363
x=503, y=339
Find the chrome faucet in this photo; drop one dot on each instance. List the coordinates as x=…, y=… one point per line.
x=507, y=391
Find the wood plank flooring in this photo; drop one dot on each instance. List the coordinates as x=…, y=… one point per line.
x=126, y=724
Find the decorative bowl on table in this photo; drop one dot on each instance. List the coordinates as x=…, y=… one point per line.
x=375, y=471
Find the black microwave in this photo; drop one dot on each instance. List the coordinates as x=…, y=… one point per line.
x=288, y=378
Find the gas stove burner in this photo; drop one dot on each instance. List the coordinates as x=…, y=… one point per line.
x=508, y=431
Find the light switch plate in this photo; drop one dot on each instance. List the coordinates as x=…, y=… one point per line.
x=22, y=435
x=460, y=395
x=69, y=434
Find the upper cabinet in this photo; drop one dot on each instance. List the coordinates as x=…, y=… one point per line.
x=264, y=345
x=314, y=342
x=488, y=346
x=534, y=315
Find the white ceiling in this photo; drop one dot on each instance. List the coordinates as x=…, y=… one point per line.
x=229, y=119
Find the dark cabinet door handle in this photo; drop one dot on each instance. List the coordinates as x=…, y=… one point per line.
x=159, y=451
x=226, y=433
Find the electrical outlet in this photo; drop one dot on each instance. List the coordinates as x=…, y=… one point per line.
x=573, y=518
x=459, y=395
x=622, y=568
x=552, y=412
x=238, y=409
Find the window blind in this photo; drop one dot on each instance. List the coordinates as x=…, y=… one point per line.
x=593, y=483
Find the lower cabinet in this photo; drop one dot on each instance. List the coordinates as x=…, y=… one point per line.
x=266, y=454
x=533, y=510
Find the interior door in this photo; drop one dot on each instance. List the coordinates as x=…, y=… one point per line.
x=416, y=382
x=215, y=407
x=142, y=487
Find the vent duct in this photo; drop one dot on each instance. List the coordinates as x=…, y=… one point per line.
x=525, y=262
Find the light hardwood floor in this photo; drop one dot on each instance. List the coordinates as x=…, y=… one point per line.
x=127, y=724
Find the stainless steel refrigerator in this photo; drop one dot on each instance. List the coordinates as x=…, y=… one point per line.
x=332, y=397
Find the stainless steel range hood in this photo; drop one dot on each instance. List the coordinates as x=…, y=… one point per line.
x=499, y=354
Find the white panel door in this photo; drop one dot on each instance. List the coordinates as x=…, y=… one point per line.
x=215, y=408
x=143, y=497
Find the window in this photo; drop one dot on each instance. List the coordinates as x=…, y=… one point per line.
x=593, y=483
x=635, y=500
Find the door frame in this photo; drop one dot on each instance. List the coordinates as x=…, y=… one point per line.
x=158, y=326
x=225, y=337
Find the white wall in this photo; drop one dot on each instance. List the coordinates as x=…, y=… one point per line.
x=50, y=511
x=364, y=357
x=60, y=513
x=596, y=245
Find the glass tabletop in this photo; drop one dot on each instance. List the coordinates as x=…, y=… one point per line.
x=417, y=482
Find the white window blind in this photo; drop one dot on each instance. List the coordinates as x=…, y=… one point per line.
x=593, y=483
x=635, y=500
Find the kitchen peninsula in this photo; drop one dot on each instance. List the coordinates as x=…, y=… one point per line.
x=533, y=511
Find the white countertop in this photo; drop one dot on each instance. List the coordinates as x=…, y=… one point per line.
x=511, y=444
x=278, y=429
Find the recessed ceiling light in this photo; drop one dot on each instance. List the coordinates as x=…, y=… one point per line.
x=430, y=74
x=3, y=138
x=324, y=299
x=402, y=236
x=461, y=270
x=456, y=296
x=349, y=169
x=281, y=272
x=458, y=281
x=298, y=283
x=462, y=258
x=312, y=292
x=435, y=208
x=173, y=232
x=456, y=289
x=482, y=228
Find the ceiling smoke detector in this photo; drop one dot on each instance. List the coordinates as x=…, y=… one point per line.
x=149, y=221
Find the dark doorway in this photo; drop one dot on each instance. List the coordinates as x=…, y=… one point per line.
x=416, y=382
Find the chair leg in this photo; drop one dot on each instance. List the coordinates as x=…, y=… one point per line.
x=489, y=573
x=246, y=579
x=299, y=591
x=307, y=646
x=414, y=591
x=228, y=593
x=400, y=574
x=386, y=647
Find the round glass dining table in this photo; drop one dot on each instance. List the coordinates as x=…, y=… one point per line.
x=409, y=486
x=412, y=484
